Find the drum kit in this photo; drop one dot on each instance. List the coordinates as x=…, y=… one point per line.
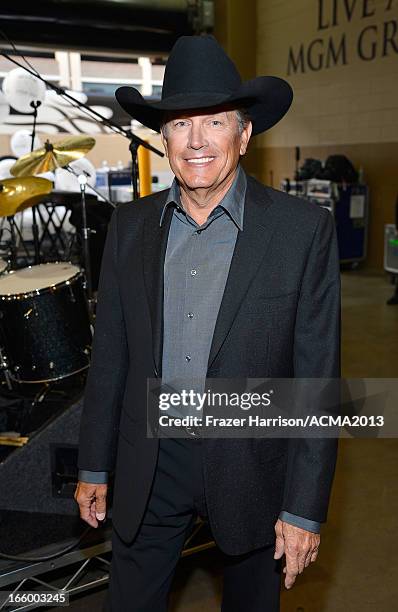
x=45, y=309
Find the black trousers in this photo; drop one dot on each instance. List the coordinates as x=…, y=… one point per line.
x=141, y=572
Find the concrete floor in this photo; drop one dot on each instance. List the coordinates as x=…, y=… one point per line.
x=357, y=566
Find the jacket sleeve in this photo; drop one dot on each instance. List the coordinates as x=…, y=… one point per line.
x=93, y=477
x=311, y=461
x=109, y=364
x=299, y=521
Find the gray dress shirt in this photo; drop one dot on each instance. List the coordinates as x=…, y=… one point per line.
x=196, y=267
x=197, y=263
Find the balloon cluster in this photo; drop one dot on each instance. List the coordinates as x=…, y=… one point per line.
x=22, y=91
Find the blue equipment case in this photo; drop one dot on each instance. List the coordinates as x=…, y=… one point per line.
x=349, y=205
x=351, y=216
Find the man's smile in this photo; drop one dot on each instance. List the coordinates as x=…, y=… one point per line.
x=200, y=160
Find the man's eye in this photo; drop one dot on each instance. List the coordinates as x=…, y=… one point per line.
x=180, y=123
x=216, y=122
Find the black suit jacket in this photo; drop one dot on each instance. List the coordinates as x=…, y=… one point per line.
x=279, y=317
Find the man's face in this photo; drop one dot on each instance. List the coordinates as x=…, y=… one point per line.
x=204, y=149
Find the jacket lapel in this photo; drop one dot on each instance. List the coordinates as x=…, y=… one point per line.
x=250, y=249
x=154, y=251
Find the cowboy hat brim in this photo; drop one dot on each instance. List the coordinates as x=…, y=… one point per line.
x=266, y=99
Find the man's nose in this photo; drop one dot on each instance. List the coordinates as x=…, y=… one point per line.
x=196, y=138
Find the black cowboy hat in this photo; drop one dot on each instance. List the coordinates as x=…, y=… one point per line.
x=199, y=74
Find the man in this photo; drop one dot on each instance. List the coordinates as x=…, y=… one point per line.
x=221, y=277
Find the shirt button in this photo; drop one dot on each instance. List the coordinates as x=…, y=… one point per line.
x=190, y=315
x=199, y=231
x=193, y=272
x=188, y=358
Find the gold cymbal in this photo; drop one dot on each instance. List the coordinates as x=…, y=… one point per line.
x=52, y=156
x=19, y=193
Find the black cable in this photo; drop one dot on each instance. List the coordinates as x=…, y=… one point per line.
x=58, y=90
x=19, y=53
x=47, y=557
x=136, y=140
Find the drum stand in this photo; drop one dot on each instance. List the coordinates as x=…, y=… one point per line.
x=17, y=241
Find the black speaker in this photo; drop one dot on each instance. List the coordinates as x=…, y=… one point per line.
x=41, y=476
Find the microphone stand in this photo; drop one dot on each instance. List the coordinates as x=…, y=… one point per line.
x=35, y=105
x=82, y=178
x=135, y=141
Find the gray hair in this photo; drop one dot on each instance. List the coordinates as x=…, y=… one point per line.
x=242, y=117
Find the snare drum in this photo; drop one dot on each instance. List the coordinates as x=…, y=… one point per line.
x=44, y=325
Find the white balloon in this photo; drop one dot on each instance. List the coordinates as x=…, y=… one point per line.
x=21, y=142
x=21, y=88
x=5, y=165
x=4, y=107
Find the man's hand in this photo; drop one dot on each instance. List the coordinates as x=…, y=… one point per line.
x=92, y=502
x=299, y=546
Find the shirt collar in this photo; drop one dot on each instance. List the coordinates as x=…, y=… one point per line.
x=233, y=201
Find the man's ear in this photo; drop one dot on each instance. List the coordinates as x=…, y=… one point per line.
x=245, y=137
x=164, y=142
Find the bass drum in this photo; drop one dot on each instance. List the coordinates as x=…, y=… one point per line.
x=44, y=324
